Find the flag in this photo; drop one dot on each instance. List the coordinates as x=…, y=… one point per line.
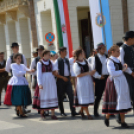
x=63, y=25
x=101, y=22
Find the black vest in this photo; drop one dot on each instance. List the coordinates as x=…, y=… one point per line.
x=118, y=66
x=61, y=66
x=84, y=68
x=37, y=59
x=3, y=74
x=98, y=64
x=129, y=56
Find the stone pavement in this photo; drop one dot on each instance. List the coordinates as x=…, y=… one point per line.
x=11, y=124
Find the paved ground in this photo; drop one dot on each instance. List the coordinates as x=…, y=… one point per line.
x=10, y=124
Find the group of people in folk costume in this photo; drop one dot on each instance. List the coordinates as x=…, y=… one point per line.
x=53, y=77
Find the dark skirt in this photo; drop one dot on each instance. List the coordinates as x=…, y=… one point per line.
x=110, y=100
x=21, y=95
x=36, y=98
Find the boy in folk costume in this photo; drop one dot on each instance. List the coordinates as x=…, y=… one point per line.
x=34, y=65
x=100, y=65
x=63, y=81
x=116, y=97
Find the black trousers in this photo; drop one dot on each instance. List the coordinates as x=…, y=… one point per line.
x=99, y=89
x=62, y=88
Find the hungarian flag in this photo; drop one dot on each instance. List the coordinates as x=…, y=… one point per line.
x=63, y=25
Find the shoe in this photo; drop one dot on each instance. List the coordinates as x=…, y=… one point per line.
x=124, y=125
x=118, y=121
x=82, y=115
x=17, y=112
x=42, y=116
x=46, y=113
x=63, y=114
x=23, y=116
x=106, y=122
x=90, y=117
x=38, y=111
x=53, y=117
x=26, y=111
x=96, y=115
x=75, y=114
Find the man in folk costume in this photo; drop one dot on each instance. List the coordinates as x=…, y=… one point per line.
x=34, y=65
x=3, y=74
x=63, y=81
x=99, y=63
x=15, y=49
x=127, y=56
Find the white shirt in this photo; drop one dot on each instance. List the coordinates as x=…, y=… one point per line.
x=33, y=66
x=71, y=61
x=103, y=60
x=2, y=62
x=8, y=63
x=66, y=71
x=121, y=58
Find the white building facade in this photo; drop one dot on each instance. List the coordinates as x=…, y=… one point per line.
x=28, y=26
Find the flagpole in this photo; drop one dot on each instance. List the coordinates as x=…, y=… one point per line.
x=104, y=34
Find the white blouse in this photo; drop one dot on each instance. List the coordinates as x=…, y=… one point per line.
x=111, y=67
x=19, y=70
x=8, y=63
x=39, y=70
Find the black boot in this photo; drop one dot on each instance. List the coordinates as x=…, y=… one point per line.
x=106, y=122
x=124, y=125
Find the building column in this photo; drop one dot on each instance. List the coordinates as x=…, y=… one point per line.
x=2, y=39
x=33, y=23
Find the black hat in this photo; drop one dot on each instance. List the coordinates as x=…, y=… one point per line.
x=119, y=44
x=14, y=44
x=129, y=34
x=40, y=47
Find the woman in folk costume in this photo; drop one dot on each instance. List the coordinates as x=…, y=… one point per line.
x=116, y=97
x=84, y=85
x=18, y=93
x=47, y=89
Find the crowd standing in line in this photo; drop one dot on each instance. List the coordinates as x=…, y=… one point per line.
x=83, y=80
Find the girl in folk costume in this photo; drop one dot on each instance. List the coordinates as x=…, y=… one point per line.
x=84, y=85
x=116, y=97
x=18, y=92
x=46, y=91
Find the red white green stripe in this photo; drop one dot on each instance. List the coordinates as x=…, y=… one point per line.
x=63, y=25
